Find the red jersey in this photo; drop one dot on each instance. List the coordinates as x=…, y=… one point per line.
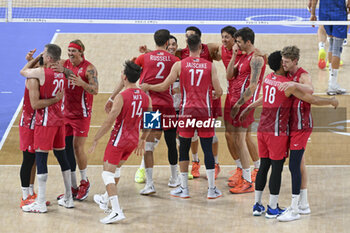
x=127, y=125
x=204, y=53
x=28, y=113
x=156, y=66
x=226, y=55
x=51, y=115
x=196, y=87
x=275, y=114
x=242, y=81
x=301, y=111
x=77, y=102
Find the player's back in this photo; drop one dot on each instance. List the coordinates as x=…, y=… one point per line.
x=127, y=125
x=196, y=87
x=77, y=102
x=28, y=113
x=275, y=114
x=51, y=115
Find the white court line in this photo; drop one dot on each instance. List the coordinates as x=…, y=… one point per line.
x=18, y=109
x=5, y=92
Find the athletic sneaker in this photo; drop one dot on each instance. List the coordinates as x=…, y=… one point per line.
x=148, y=189
x=180, y=192
x=217, y=170
x=33, y=196
x=35, y=207
x=101, y=201
x=68, y=203
x=335, y=90
x=113, y=217
x=273, y=213
x=345, y=41
x=245, y=187
x=195, y=169
x=237, y=182
x=84, y=188
x=258, y=209
x=174, y=182
x=74, y=193
x=214, y=193
x=254, y=173
x=27, y=201
x=322, y=54
x=236, y=175
x=289, y=215
x=190, y=176
x=304, y=210
x=140, y=175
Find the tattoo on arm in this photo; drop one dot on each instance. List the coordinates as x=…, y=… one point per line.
x=67, y=72
x=93, y=83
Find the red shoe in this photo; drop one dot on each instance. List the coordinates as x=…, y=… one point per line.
x=74, y=193
x=254, y=173
x=33, y=196
x=245, y=187
x=237, y=182
x=217, y=170
x=27, y=201
x=84, y=188
x=195, y=169
x=236, y=175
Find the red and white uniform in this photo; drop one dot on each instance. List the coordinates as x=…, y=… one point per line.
x=49, y=129
x=156, y=66
x=240, y=83
x=125, y=134
x=301, y=120
x=273, y=130
x=26, y=125
x=77, y=102
x=196, y=91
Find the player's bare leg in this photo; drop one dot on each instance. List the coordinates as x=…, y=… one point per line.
x=253, y=151
x=335, y=49
x=195, y=160
x=79, y=151
x=215, y=146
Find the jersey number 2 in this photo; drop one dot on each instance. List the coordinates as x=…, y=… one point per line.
x=59, y=85
x=162, y=66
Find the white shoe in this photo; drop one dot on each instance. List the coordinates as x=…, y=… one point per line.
x=148, y=189
x=289, y=215
x=180, y=192
x=214, y=193
x=304, y=209
x=113, y=217
x=173, y=183
x=68, y=203
x=335, y=90
x=35, y=207
x=345, y=41
x=101, y=201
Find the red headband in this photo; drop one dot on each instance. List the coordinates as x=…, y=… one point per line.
x=76, y=46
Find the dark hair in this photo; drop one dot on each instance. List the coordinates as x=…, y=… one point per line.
x=274, y=60
x=161, y=37
x=195, y=29
x=54, y=51
x=173, y=37
x=132, y=71
x=230, y=30
x=246, y=34
x=193, y=42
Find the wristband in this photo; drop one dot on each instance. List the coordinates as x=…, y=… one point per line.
x=110, y=99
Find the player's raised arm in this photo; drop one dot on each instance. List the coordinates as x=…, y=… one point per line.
x=29, y=71
x=231, y=68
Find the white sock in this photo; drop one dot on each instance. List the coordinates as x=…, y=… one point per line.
x=216, y=158
x=184, y=179
x=257, y=164
x=74, y=179
x=273, y=201
x=334, y=76
x=42, y=178
x=321, y=45
x=67, y=183
x=303, y=198
x=173, y=169
x=115, y=203
x=330, y=67
x=238, y=162
x=149, y=175
x=31, y=189
x=142, y=162
x=105, y=195
x=247, y=174
x=295, y=201
x=195, y=157
x=258, y=195
x=211, y=178
x=83, y=174
x=25, y=192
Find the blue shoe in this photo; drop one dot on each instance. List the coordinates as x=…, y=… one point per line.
x=258, y=209
x=273, y=213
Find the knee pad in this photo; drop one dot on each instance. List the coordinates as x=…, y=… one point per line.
x=150, y=146
x=108, y=178
x=337, y=46
x=195, y=136
x=117, y=172
x=215, y=139
x=330, y=40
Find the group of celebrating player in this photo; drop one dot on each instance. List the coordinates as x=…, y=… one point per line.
x=182, y=85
